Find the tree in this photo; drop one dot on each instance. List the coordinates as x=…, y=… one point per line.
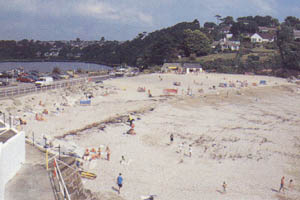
x=288, y=48
x=196, y=42
x=209, y=25
x=218, y=18
x=227, y=21
x=291, y=21
x=266, y=21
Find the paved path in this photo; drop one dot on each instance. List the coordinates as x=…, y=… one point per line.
x=32, y=181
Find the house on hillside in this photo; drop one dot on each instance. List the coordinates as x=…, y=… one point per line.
x=296, y=34
x=191, y=68
x=262, y=37
x=227, y=45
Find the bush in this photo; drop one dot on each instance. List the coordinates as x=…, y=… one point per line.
x=252, y=58
x=271, y=45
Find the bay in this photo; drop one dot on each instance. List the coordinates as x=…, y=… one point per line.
x=48, y=66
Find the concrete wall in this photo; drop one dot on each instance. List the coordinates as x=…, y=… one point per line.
x=12, y=155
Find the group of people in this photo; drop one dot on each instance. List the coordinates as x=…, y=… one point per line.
x=181, y=146
x=281, y=188
x=131, y=124
x=93, y=154
x=282, y=184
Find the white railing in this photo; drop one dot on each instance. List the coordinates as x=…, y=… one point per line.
x=17, y=91
x=9, y=120
x=57, y=175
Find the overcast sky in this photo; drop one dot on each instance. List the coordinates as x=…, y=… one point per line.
x=122, y=19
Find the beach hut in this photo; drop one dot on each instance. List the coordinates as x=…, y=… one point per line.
x=192, y=68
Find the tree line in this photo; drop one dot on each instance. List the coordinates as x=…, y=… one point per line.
x=185, y=39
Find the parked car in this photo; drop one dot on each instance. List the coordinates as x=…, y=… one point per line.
x=26, y=79
x=44, y=81
x=35, y=78
x=34, y=73
x=5, y=75
x=4, y=83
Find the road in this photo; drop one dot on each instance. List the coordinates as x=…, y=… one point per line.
x=26, y=88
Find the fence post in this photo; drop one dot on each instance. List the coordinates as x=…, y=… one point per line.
x=9, y=120
x=59, y=152
x=47, y=165
x=33, y=138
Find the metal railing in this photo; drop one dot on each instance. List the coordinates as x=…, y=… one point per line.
x=18, y=91
x=9, y=120
x=56, y=176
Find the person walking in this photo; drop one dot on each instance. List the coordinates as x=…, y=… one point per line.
x=120, y=182
x=281, y=184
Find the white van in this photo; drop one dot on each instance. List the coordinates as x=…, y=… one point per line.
x=44, y=81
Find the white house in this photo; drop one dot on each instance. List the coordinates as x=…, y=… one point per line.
x=296, y=34
x=227, y=44
x=262, y=37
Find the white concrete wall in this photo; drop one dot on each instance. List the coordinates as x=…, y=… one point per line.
x=2, y=185
x=12, y=155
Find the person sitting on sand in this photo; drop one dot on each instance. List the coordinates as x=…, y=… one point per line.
x=171, y=138
x=291, y=185
x=130, y=120
x=149, y=94
x=122, y=161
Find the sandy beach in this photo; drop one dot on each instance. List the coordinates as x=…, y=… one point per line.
x=247, y=135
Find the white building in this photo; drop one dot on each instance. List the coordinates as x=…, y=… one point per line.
x=12, y=154
x=262, y=37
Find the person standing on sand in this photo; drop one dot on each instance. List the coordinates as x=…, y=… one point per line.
x=180, y=147
x=281, y=184
x=130, y=119
x=224, y=187
x=171, y=138
x=107, y=153
x=99, y=152
x=120, y=182
x=190, y=150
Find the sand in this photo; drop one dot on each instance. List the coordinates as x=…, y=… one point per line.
x=248, y=137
